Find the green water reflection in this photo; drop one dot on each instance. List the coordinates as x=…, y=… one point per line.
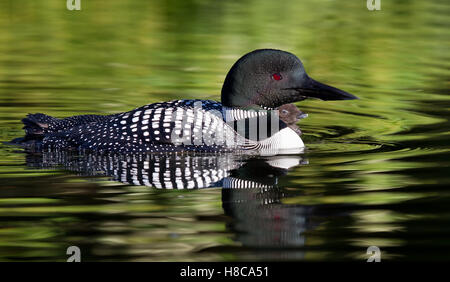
x=378, y=167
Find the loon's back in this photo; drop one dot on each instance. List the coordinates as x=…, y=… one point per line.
x=148, y=128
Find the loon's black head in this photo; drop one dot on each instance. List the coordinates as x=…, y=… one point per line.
x=269, y=78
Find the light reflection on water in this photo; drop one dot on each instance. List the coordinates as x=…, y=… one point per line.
x=375, y=172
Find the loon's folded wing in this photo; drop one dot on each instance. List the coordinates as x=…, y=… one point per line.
x=190, y=124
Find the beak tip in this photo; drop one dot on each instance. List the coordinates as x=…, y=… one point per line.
x=352, y=97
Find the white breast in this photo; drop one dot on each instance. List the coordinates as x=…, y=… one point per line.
x=286, y=141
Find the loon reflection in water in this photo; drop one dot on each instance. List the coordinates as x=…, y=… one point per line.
x=252, y=196
x=172, y=170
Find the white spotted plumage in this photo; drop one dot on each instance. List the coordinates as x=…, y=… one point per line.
x=171, y=126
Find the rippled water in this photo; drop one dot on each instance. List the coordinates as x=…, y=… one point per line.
x=376, y=170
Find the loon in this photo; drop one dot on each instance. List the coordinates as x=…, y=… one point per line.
x=256, y=85
x=290, y=114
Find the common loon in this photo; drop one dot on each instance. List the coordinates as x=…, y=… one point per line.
x=290, y=114
x=255, y=86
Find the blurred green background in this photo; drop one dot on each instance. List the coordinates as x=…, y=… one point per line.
x=381, y=163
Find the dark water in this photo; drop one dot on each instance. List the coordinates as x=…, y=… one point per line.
x=376, y=170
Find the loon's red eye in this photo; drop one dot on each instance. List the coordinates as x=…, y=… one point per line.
x=277, y=76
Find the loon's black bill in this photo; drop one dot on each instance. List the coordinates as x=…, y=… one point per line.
x=322, y=91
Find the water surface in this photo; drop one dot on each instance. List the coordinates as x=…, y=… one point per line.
x=376, y=170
